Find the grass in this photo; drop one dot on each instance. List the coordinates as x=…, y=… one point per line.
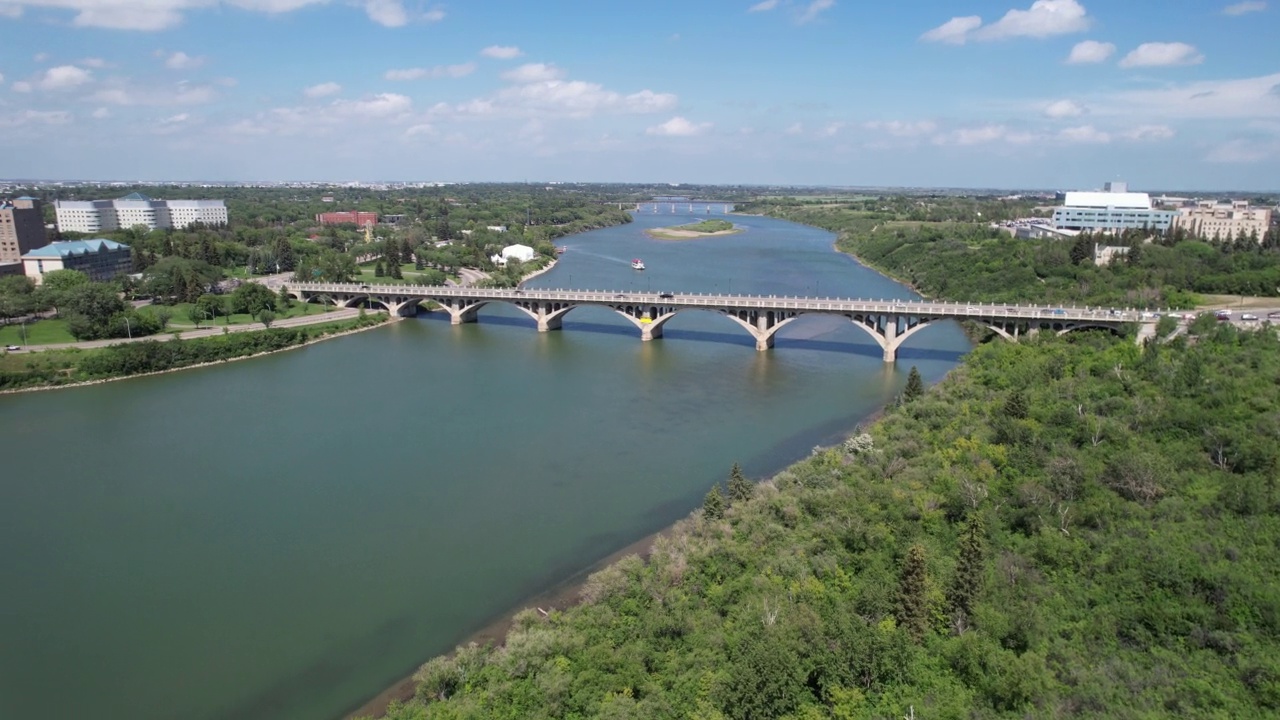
x=1236, y=302
x=181, y=322
x=40, y=332
x=412, y=276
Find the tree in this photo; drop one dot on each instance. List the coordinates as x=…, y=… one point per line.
x=713, y=504
x=1015, y=406
x=970, y=566
x=286, y=301
x=285, y=257
x=1082, y=249
x=378, y=271
x=195, y=314
x=740, y=488
x=913, y=606
x=250, y=298
x=210, y=306
x=163, y=315
x=915, y=386
x=266, y=317
x=60, y=281
x=396, y=273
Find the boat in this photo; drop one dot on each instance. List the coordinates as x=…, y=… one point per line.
x=637, y=264
x=560, y=249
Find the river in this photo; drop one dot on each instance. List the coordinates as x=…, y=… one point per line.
x=283, y=537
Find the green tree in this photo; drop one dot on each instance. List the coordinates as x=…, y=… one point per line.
x=1082, y=250
x=740, y=488
x=60, y=281
x=266, y=317
x=970, y=567
x=250, y=298
x=195, y=314
x=913, y=606
x=286, y=301
x=396, y=272
x=1015, y=406
x=210, y=306
x=163, y=315
x=378, y=270
x=713, y=504
x=915, y=386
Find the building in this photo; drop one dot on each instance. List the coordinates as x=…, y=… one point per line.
x=99, y=258
x=1224, y=221
x=21, y=228
x=91, y=216
x=523, y=253
x=1113, y=210
x=1042, y=231
x=353, y=217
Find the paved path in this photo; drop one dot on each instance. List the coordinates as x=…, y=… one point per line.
x=314, y=319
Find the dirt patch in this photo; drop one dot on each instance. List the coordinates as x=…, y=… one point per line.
x=675, y=233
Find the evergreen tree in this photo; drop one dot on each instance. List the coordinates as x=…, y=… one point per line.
x=740, y=488
x=713, y=504
x=378, y=270
x=915, y=386
x=970, y=566
x=1015, y=406
x=913, y=608
x=417, y=262
x=1082, y=250
x=286, y=301
x=395, y=272
x=284, y=255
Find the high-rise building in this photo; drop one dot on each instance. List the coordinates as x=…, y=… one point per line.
x=91, y=216
x=1224, y=221
x=21, y=228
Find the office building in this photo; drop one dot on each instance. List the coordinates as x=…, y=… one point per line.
x=353, y=217
x=134, y=209
x=21, y=228
x=1224, y=221
x=1113, y=210
x=99, y=258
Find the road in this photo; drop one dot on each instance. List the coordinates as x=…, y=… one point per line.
x=317, y=318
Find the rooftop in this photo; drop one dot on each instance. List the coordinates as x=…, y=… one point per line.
x=74, y=247
x=1139, y=201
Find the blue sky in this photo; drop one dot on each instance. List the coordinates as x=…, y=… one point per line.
x=1166, y=94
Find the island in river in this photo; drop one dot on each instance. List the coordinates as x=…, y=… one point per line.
x=706, y=228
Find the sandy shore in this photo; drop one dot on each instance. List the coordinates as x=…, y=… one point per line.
x=536, y=273
x=676, y=233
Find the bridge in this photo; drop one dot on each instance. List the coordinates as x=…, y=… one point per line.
x=889, y=322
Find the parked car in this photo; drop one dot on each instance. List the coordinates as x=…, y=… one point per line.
x=12, y=348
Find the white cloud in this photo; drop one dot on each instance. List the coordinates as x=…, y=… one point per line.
x=1064, y=109
x=1, y=77
x=954, y=31
x=322, y=90
x=501, y=52
x=1257, y=97
x=678, y=127
x=814, y=9
x=1144, y=133
x=573, y=98
x=1090, y=51
x=35, y=117
x=383, y=105
x=1243, y=152
x=763, y=6
x=175, y=119
x=1159, y=54
x=439, y=71
x=795, y=129
x=40, y=57
x=182, y=61
x=1084, y=134
x=899, y=128
x=123, y=93
x=21, y=86
x=972, y=136
x=388, y=13
x=63, y=77
x=94, y=62
x=1045, y=18
x=101, y=113
x=533, y=72
x=423, y=129
x=153, y=15
x=1244, y=8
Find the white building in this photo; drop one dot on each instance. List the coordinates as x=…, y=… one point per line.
x=1222, y=221
x=91, y=216
x=1113, y=209
x=523, y=253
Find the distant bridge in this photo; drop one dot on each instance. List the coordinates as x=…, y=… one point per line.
x=889, y=322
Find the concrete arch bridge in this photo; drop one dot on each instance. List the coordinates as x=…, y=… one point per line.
x=888, y=322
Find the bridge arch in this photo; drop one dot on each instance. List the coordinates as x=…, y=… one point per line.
x=1090, y=326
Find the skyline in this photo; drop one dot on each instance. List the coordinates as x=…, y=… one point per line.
x=977, y=93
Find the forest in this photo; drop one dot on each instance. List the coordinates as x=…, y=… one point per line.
x=1066, y=527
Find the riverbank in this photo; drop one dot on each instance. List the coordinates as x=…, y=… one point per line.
x=529, y=276
x=340, y=328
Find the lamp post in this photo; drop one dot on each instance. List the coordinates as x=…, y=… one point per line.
x=128, y=328
x=24, y=333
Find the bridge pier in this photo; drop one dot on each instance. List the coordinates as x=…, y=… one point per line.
x=650, y=331
x=890, y=334
x=547, y=319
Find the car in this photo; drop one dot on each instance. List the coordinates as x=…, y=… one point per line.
x=1248, y=316
x=12, y=348
x=619, y=296
x=666, y=295
x=1058, y=311
x=1273, y=315
x=972, y=309
x=364, y=287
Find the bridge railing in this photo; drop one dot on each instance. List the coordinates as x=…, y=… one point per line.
x=991, y=311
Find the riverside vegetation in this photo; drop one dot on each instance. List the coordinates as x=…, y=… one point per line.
x=53, y=368
x=1066, y=527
